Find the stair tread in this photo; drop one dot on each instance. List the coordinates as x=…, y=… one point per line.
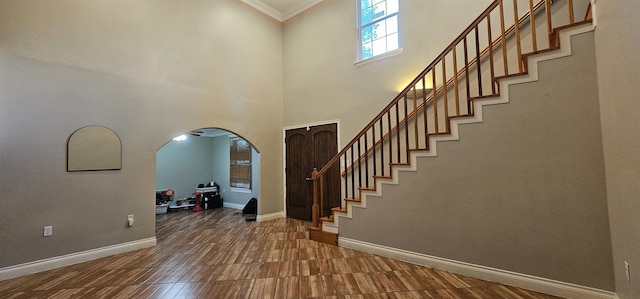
x=560, y=28
x=399, y=164
x=498, y=78
x=429, y=135
x=315, y=228
x=526, y=55
x=352, y=199
x=327, y=219
x=323, y=237
x=338, y=209
x=485, y=96
x=462, y=116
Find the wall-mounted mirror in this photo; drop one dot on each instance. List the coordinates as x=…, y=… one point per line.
x=94, y=148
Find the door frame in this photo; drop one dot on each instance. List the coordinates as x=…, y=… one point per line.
x=284, y=152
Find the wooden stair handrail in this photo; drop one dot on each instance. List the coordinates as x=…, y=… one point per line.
x=429, y=98
x=410, y=85
x=401, y=141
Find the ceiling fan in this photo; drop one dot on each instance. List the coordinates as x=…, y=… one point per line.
x=196, y=133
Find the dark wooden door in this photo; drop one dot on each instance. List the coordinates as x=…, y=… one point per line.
x=308, y=148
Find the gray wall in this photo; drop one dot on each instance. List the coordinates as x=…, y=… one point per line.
x=148, y=70
x=524, y=191
x=617, y=48
x=221, y=153
x=182, y=165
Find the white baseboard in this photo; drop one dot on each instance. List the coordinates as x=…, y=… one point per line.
x=270, y=216
x=538, y=284
x=73, y=258
x=233, y=205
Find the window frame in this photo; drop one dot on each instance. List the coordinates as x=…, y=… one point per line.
x=240, y=158
x=359, y=13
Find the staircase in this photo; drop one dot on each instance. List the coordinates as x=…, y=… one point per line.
x=501, y=47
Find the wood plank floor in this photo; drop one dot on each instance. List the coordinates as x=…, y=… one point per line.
x=216, y=254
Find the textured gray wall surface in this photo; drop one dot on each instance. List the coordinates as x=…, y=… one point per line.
x=149, y=71
x=617, y=48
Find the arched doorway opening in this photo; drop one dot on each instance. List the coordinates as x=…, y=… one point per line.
x=206, y=157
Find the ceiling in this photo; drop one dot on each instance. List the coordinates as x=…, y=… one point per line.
x=282, y=10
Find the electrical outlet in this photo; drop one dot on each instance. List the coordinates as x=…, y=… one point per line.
x=627, y=271
x=48, y=231
x=130, y=220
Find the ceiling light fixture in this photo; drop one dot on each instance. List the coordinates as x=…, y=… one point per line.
x=180, y=138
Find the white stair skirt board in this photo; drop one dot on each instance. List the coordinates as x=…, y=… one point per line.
x=73, y=258
x=538, y=284
x=503, y=98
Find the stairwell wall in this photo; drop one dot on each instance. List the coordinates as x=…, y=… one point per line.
x=321, y=81
x=617, y=48
x=524, y=191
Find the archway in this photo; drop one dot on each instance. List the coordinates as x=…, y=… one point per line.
x=207, y=157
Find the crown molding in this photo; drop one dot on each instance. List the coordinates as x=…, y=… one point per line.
x=278, y=15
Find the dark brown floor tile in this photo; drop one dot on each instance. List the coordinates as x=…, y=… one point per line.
x=217, y=254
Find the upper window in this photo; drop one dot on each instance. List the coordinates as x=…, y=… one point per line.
x=378, y=27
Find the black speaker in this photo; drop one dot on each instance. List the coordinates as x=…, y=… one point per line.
x=210, y=200
x=251, y=207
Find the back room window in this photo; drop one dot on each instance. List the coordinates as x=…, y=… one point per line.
x=240, y=166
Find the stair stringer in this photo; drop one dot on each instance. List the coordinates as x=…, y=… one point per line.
x=531, y=75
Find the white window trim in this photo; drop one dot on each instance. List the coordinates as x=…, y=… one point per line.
x=240, y=190
x=359, y=61
x=378, y=57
